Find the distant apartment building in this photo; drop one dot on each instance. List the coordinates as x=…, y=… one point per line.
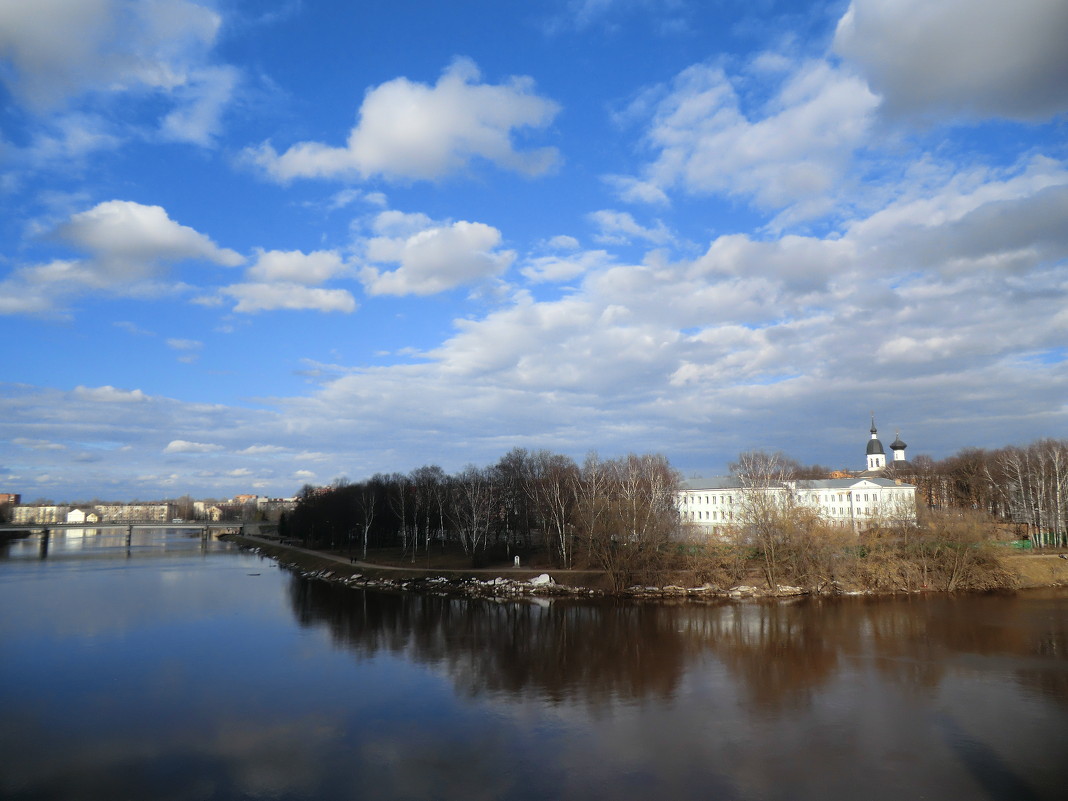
x=135, y=512
x=8, y=498
x=32, y=514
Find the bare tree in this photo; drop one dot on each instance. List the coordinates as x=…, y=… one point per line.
x=767, y=504
x=473, y=506
x=552, y=490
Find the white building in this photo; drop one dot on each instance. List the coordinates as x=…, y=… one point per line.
x=135, y=512
x=33, y=513
x=713, y=506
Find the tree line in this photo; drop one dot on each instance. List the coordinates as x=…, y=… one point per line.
x=1026, y=486
x=621, y=516
x=611, y=513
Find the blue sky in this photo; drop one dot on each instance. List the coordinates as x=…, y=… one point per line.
x=246, y=246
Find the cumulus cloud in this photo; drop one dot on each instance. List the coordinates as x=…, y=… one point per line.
x=433, y=259
x=255, y=297
x=287, y=279
x=412, y=131
x=129, y=247
x=983, y=58
x=62, y=52
x=790, y=154
x=183, y=446
x=650, y=355
x=128, y=238
x=296, y=267
x=544, y=269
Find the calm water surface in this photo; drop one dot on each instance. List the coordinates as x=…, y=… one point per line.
x=183, y=669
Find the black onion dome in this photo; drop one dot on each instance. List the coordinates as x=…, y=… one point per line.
x=874, y=446
x=897, y=444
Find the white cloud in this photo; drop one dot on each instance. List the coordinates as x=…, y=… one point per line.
x=68, y=137
x=109, y=394
x=986, y=58
x=63, y=53
x=198, y=119
x=654, y=355
x=283, y=295
x=63, y=47
x=791, y=155
x=256, y=450
x=433, y=259
x=564, y=268
x=38, y=444
x=183, y=446
x=296, y=267
x=411, y=131
x=620, y=228
x=633, y=190
x=129, y=239
x=563, y=242
x=129, y=247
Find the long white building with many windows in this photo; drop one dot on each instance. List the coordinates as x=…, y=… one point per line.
x=713, y=506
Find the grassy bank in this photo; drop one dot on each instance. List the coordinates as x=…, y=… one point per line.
x=390, y=567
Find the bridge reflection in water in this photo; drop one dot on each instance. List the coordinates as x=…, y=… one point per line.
x=65, y=541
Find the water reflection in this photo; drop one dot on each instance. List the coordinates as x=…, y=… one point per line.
x=563, y=651
x=80, y=543
x=778, y=654
x=173, y=673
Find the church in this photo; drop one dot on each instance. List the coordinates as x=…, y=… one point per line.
x=712, y=507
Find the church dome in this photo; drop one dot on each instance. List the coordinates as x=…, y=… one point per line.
x=897, y=444
x=874, y=446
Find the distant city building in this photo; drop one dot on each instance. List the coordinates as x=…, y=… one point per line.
x=31, y=514
x=10, y=498
x=82, y=516
x=135, y=512
x=714, y=506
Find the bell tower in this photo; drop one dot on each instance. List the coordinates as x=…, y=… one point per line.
x=876, y=456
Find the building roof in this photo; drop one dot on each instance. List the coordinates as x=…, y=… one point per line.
x=714, y=483
x=731, y=482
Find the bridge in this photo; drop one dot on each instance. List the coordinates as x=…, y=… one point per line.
x=47, y=530
x=235, y=527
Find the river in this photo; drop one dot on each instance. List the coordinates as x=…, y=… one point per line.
x=178, y=668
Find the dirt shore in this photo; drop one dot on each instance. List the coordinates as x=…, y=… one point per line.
x=1031, y=570
x=1037, y=569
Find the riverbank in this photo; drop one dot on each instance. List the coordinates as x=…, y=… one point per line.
x=1038, y=569
x=1027, y=570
